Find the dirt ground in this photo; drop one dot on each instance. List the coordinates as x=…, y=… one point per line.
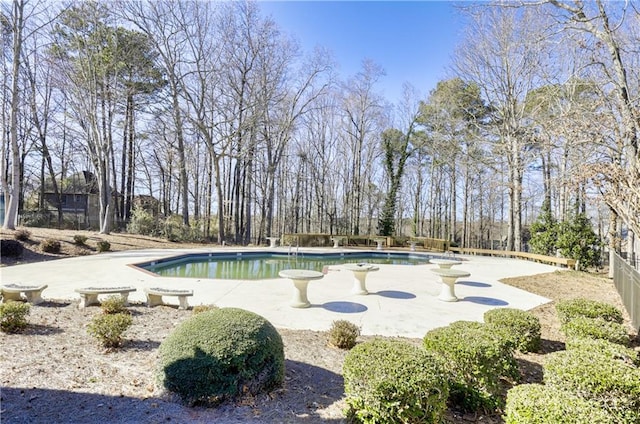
x=54, y=372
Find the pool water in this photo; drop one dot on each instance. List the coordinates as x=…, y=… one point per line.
x=260, y=266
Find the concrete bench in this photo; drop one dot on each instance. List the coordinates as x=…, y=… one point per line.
x=449, y=277
x=89, y=295
x=32, y=294
x=154, y=296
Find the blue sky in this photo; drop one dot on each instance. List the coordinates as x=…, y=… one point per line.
x=412, y=40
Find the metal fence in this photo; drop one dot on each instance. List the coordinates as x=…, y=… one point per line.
x=627, y=281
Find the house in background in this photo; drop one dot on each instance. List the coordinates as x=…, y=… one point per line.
x=79, y=201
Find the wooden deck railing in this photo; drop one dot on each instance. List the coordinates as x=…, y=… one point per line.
x=569, y=263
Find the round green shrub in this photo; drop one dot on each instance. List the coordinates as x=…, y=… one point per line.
x=612, y=383
x=80, y=239
x=581, y=307
x=522, y=327
x=596, y=328
x=13, y=316
x=221, y=354
x=108, y=328
x=50, y=246
x=604, y=347
x=11, y=248
x=390, y=381
x=478, y=359
x=114, y=305
x=103, y=246
x=538, y=404
x=343, y=334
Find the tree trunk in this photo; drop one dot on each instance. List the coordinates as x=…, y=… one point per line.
x=11, y=210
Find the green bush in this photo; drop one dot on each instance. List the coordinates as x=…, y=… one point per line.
x=174, y=229
x=221, y=354
x=50, y=246
x=478, y=358
x=544, y=232
x=103, y=246
x=581, y=307
x=596, y=328
x=522, y=327
x=36, y=218
x=13, y=316
x=390, y=381
x=612, y=383
x=538, y=404
x=114, y=305
x=22, y=235
x=142, y=222
x=11, y=248
x=108, y=328
x=80, y=240
x=577, y=240
x=604, y=347
x=343, y=334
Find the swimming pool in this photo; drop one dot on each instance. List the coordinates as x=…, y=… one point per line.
x=265, y=265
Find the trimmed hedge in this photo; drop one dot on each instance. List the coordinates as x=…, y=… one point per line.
x=522, y=327
x=612, y=383
x=596, y=328
x=221, y=354
x=604, y=347
x=538, y=404
x=581, y=307
x=478, y=359
x=391, y=381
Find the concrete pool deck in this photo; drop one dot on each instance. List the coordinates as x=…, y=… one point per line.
x=402, y=300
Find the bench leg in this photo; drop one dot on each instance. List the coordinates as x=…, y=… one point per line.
x=88, y=299
x=7, y=296
x=183, y=302
x=448, y=293
x=34, y=297
x=154, y=300
x=125, y=298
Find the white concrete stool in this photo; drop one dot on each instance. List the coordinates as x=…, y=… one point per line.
x=449, y=277
x=360, y=272
x=300, y=279
x=444, y=263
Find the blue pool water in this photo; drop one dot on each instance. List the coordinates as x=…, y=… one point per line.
x=264, y=265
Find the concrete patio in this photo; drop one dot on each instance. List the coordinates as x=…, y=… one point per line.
x=402, y=300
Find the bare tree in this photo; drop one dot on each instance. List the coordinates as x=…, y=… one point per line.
x=605, y=33
x=163, y=22
x=503, y=54
x=363, y=109
x=12, y=191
